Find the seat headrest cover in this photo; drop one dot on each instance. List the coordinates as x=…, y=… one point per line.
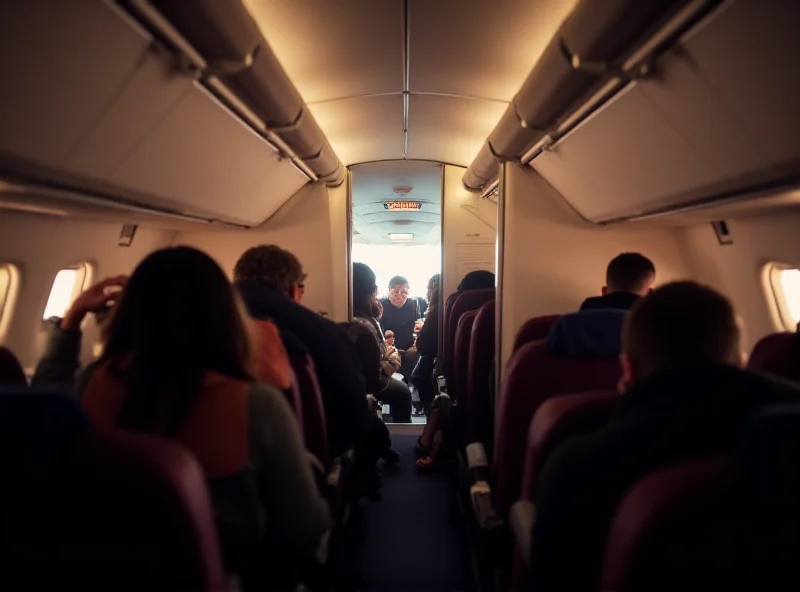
x=588, y=334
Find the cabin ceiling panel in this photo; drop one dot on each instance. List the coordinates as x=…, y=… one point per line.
x=479, y=48
x=335, y=48
x=715, y=120
x=363, y=128
x=450, y=129
x=63, y=64
x=220, y=167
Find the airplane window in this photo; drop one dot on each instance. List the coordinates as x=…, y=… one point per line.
x=9, y=283
x=66, y=287
x=790, y=288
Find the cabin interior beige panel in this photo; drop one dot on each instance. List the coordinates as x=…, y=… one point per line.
x=40, y=246
x=302, y=226
x=450, y=129
x=335, y=48
x=553, y=260
x=737, y=269
x=486, y=48
x=469, y=231
x=338, y=211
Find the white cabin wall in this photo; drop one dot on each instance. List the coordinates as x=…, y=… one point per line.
x=40, y=246
x=302, y=226
x=737, y=270
x=469, y=230
x=337, y=209
x=553, y=260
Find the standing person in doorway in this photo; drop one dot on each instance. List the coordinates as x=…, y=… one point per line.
x=401, y=316
x=367, y=311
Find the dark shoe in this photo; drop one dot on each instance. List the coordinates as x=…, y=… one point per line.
x=419, y=410
x=391, y=456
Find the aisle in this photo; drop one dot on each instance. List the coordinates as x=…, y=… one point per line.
x=410, y=544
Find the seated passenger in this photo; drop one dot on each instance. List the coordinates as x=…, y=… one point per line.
x=367, y=310
x=685, y=397
x=178, y=361
x=428, y=348
x=629, y=277
x=269, y=279
x=401, y=315
x=370, y=357
x=477, y=280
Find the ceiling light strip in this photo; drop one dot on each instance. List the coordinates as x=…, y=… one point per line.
x=406, y=73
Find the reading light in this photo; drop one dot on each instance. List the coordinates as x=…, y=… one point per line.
x=401, y=236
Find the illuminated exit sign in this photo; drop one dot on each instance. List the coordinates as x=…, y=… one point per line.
x=403, y=206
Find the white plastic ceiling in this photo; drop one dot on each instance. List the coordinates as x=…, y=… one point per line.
x=86, y=98
x=373, y=186
x=467, y=58
x=719, y=117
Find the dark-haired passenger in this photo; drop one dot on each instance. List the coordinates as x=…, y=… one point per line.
x=685, y=397
x=368, y=311
x=629, y=277
x=178, y=361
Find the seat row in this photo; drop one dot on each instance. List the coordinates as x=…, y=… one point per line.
x=558, y=383
x=138, y=505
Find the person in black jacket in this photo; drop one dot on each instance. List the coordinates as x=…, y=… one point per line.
x=269, y=278
x=629, y=277
x=685, y=397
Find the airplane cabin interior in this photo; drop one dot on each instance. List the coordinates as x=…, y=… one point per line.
x=518, y=233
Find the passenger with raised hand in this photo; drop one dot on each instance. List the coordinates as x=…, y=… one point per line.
x=629, y=277
x=178, y=361
x=685, y=396
x=269, y=279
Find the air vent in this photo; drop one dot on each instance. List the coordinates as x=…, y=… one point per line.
x=723, y=232
x=126, y=236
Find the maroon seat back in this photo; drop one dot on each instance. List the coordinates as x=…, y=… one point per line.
x=466, y=301
x=461, y=354
x=314, y=424
x=778, y=355
x=556, y=421
x=116, y=511
x=479, y=392
x=11, y=372
x=534, y=329
x=295, y=400
x=532, y=376
x=675, y=529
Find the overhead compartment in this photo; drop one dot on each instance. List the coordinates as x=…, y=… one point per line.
x=719, y=117
x=90, y=99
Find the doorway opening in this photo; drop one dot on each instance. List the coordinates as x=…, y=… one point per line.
x=397, y=234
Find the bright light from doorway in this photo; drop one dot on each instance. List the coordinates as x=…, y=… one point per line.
x=416, y=263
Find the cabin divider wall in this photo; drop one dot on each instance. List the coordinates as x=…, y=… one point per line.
x=552, y=259
x=469, y=230
x=737, y=269
x=310, y=226
x=40, y=246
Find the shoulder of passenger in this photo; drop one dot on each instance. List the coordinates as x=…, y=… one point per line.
x=264, y=400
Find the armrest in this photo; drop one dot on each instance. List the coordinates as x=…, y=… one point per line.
x=521, y=518
x=477, y=464
x=335, y=475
